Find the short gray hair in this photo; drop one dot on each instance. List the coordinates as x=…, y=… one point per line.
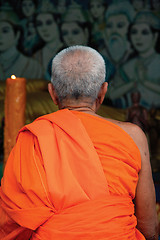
x=77, y=72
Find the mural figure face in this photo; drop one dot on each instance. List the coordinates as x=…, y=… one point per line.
x=142, y=37
x=8, y=38
x=31, y=28
x=117, y=24
x=156, y=4
x=73, y=34
x=61, y=7
x=47, y=27
x=97, y=9
x=116, y=36
x=138, y=5
x=28, y=8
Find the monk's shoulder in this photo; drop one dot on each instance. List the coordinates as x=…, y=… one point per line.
x=134, y=131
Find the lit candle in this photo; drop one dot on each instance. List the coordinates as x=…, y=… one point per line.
x=15, y=103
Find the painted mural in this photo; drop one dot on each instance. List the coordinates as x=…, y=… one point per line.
x=124, y=32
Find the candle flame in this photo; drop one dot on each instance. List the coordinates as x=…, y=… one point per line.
x=13, y=77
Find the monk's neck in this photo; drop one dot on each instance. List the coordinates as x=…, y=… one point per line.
x=79, y=106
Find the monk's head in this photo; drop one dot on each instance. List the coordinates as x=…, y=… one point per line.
x=78, y=74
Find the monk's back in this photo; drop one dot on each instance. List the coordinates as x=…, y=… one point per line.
x=118, y=153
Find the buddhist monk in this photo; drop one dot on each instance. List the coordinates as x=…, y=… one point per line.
x=74, y=174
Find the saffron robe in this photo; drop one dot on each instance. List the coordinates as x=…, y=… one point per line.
x=55, y=184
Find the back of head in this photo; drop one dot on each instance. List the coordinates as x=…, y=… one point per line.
x=78, y=72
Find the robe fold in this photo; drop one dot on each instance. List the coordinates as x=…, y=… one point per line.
x=57, y=182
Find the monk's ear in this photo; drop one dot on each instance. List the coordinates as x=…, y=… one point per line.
x=52, y=93
x=102, y=92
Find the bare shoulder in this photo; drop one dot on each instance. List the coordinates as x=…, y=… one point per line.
x=145, y=199
x=134, y=131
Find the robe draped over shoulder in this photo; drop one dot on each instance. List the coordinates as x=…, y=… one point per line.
x=55, y=184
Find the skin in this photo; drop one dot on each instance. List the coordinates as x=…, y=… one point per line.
x=31, y=28
x=28, y=8
x=143, y=39
x=8, y=38
x=138, y=5
x=156, y=4
x=73, y=34
x=117, y=24
x=61, y=7
x=46, y=27
x=144, y=42
x=97, y=9
x=145, y=202
x=116, y=29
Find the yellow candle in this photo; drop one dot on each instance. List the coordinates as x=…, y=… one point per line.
x=15, y=103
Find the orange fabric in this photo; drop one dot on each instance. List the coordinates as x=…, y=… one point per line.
x=118, y=153
x=54, y=186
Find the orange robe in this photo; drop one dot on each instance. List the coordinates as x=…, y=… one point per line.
x=58, y=184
